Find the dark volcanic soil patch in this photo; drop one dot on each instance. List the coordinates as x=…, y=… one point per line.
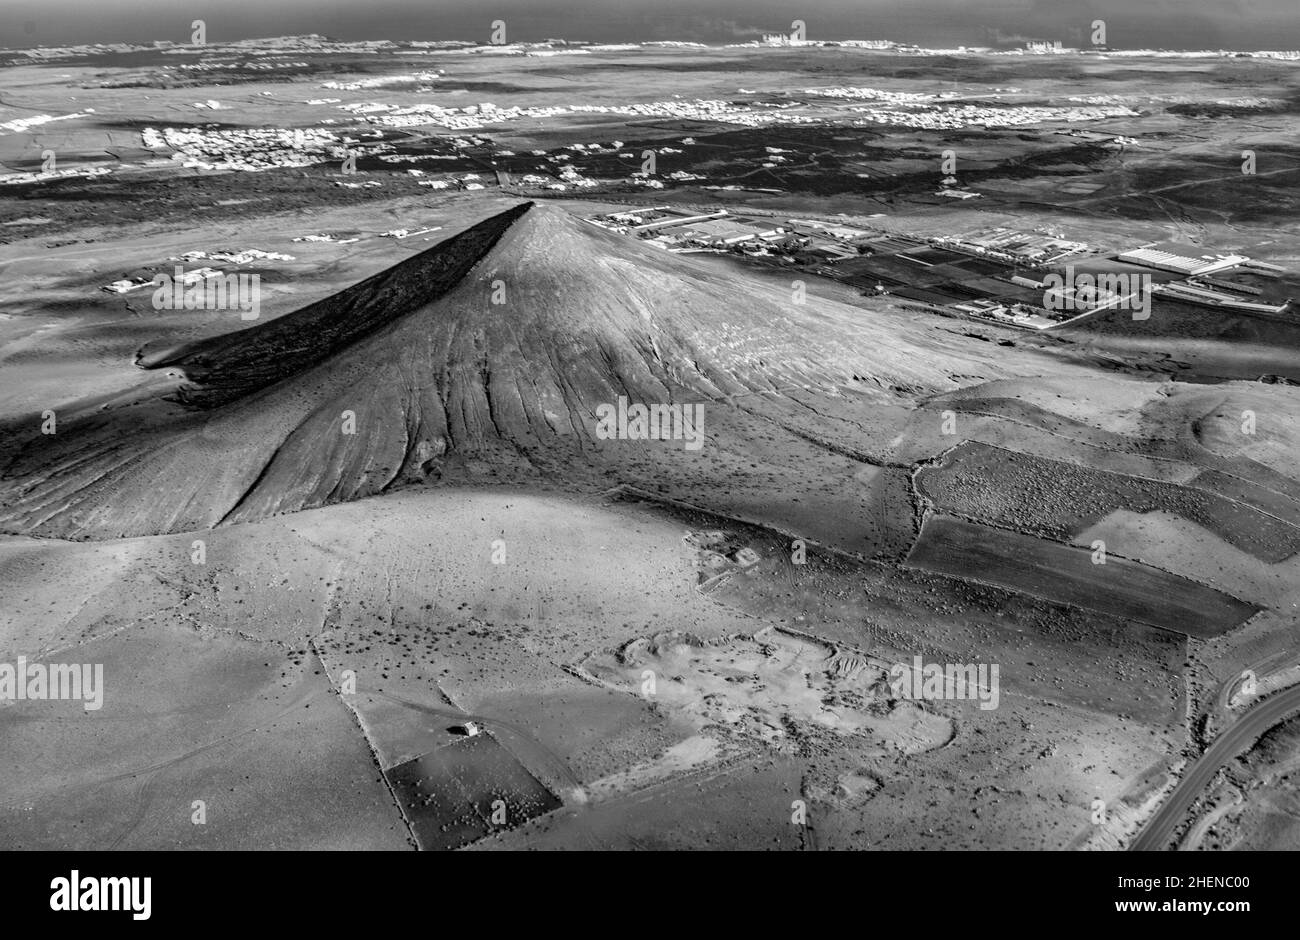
x=1059, y=500
x=228, y=367
x=464, y=791
x=1067, y=575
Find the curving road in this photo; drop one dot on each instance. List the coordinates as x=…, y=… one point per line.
x=1228, y=745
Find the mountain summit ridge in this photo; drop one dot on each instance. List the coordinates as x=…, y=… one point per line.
x=482, y=358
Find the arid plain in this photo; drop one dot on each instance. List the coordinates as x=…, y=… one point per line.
x=362, y=573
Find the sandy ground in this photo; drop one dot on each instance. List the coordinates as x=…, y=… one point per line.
x=318, y=640
x=431, y=631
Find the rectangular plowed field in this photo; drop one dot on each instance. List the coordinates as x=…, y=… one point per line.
x=1067, y=575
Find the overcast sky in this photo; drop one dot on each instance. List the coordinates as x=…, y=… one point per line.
x=1182, y=24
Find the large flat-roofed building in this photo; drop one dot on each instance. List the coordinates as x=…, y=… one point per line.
x=1181, y=259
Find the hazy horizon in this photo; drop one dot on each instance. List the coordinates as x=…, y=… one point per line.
x=1170, y=24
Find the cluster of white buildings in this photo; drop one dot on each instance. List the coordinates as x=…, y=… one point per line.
x=234, y=257
x=228, y=66
x=184, y=279
x=1099, y=99
x=42, y=176
x=326, y=238
x=1182, y=262
x=548, y=48
x=250, y=149
x=68, y=52
x=380, y=81
x=459, y=144
x=570, y=177
x=969, y=115
x=855, y=93
x=1041, y=47
x=480, y=115
x=280, y=45
x=597, y=147
x=197, y=275
x=20, y=125
x=898, y=108
x=699, y=110
x=470, y=182
x=781, y=40
x=1286, y=55
x=407, y=233
x=125, y=285
x=1013, y=247
x=317, y=44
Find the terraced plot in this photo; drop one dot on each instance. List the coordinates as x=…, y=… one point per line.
x=1067, y=575
x=461, y=792
x=1059, y=500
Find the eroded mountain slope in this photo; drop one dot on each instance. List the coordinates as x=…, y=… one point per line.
x=407, y=376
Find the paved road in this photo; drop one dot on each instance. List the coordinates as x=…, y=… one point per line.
x=1228, y=745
